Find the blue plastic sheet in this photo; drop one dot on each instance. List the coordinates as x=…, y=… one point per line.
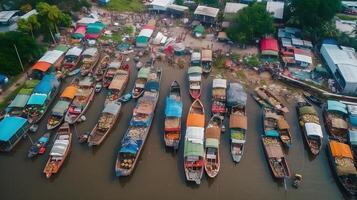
x=272, y=133
x=9, y=126
x=45, y=85
x=173, y=108
x=152, y=86
x=37, y=99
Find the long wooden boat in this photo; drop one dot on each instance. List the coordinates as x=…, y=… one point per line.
x=194, y=154
x=42, y=97
x=206, y=60
x=271, y=99
x=284, y=132
x=310, y=125
x=59, y=110
x=238, y=125
x=335, y=115
x=39, y=147
x=60, y=150
x=72, y=58
x=312, y=99
x=219, y=87
x=140, y=82
x=173, y=114
x=276, y=125
x=195, y=81
x=275, y=157
x=118, y=84
x=105, y=124
x=12, y=128
x=343, y=166
x=90, y=58
x=212, y=140
x=134, y=139
x=81, y=101
x=102, y=67
x=110, y=72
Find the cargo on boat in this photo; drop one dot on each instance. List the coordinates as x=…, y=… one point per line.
x=12, y=129
x=271, y=99
x=118, y=84
x=112, y=69
x=206, y=60
x=102, y=67
x=212, y=140
x=352, y=132
x=140, y=82
x=335, y=114
x=90, y=58
x=219, y=87
x=72, y=58
x=195, y=81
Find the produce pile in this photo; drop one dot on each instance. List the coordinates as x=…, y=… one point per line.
x=308, y=118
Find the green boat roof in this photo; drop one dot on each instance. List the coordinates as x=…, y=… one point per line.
x=212, y=142
x=62, y=48
x=193, y=149
x=192, y=70
x=144, y=72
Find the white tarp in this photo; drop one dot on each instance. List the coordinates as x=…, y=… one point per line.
x=195, y=134
x=51, y=56
x=114, y=64
x=194, y=78
x=303, y=58
x=90, y=52
x=158, y=38
x=313, y=129
x=87, y=20
x=59, y=147
x=219, y=83
x=352, y=109
x=75, y=51
x=238, y=141
x=146, y=33
x=196, y=56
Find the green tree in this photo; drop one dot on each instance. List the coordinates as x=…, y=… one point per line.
x=250, y=23
x=26, y=8
x=179, y=2
x=29, y=25
x=50, y=14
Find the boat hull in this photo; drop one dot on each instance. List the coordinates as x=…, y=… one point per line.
x=70, y=119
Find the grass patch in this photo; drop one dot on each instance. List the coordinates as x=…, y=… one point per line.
x=4, y=103
x=126, y=5
x=115, y=37
x=219, y=62
x=346, y=17
x=241, y=75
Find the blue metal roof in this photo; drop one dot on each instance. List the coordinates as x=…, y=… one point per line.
x=353, y=137
x=173, y=108
x=353, y=120
x=9, y=126
x=336, y=106
x=45, y=85
x=37, y=99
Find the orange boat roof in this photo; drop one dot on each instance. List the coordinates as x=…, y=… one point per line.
x=339, y=149
x=196, y=120
x=69, y=92
x=42, y=66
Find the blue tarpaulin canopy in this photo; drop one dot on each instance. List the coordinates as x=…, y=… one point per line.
x=37, y=99
x=353, y=137
x=353, y=120
x=272, y=133
x=173, y=108
x=336, y=106
x=129, y=146
x=46, y=84
x=152, y=85
x=9, y=126
x=19, y=101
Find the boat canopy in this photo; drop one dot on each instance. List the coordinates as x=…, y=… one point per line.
x=9, y=126
x=19, y=101
x=46, y=84
x=339, y=123
x=336, y=106
x=130, y=147
x=196, y=120
x=195, y=134
x=74, y=51
x=339, y=149
x=213, y=132
x=152, y=86
x=206, y=55
x=353, y=120
x=173, y=108
x=193, y=149
x=60, y=108
x=69, y=92
x=196, y=56
x=31, y=83
x=212, y=142
x=112, y=108
x=352, y=109
x=219, y=83
x=313, y=129
x=194, y=77
x=90, y=52
x=236, y=95
x=79, y=32
x=117, y=83
x=26, y=91
x=352, y=137
x=283, y=124
x=41, y=66
x=114, y=65
x=272, y=133
x=37, y=99
x=62, y=47
x=238, y=121
x=274, y=151
x=307, y=110
x=87, y=81
x=51, y=56
x=59, y=147
x=195, y=70
x=144, y=72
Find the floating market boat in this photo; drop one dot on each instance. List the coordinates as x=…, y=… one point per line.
x=102, y=67
x=352, y=132
x=212, y=140
x=81, y=101
x=343, y=165
x=41, y=98
x=90, y=58
x=105, y=124
x=140, y=123
x=219, y=87
x=335, y=114
x=173, y=114
x=140, y=82
x=196, y=58
x=125, y=98
x=194, y=154
x=12, y=129
x=110, y=72
x=118, y=84
x=206, y=60
x=72, y=58
x=275, y=157
x=238, y=125
x=271, y=99
x=60, y=150
x=39, y=147
x=310, y=125
x=59, y=110
x=195, y=79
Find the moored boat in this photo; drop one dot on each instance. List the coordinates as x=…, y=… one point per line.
x=12, y=129
x=193, y=149
x=90, y=58
x=39, y=147
x=118, y=84
x=312, y=98
x=72, y=58
x=106, y=122
x=110, y=72
x=195, y=80
x=219, y=87
x=206, y=59
x=212, y=140
x=284, y=132
x=173, y=114
x=352, y=130
x=271, y=99
x=102, y=67
x=140, y=82
x=335, y=114
x=60, y=150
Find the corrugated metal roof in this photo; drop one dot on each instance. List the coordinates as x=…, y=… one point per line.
x=277, y=8
x=6, y=15
x=207, y=11
x=234, y=7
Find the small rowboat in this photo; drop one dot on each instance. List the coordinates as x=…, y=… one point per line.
x=39, y=147
x=195, y=81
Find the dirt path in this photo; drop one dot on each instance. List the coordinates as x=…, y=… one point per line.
x=8, y=91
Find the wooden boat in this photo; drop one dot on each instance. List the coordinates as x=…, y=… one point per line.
x=140, y=82
x=261, y=102
x=219, y=87
x=41, y=98
x=284, y=131
x=110, y=72
x=60, y=150
x=212, y=140
x=310, y=125
x=12, y=128
x=90, y=58
x=71, y=59
x=194, y=79
x=206, y=59
x=238, y=124
x=312, y=99
x=173, y=114
x=102, y=67
x=275, y=157
x=194, y=154
x=39, y=147
x=335, y=115
x=271, y=99
x=125, y=98
x=59, y=110
x=343, y=166
x=135, y=137
x=118, y=84
x=106, y=122
x=81, y=101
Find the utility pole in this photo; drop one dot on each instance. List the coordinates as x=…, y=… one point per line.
x=18, y=56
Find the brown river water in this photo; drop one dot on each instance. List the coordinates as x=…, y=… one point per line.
x=89, y=173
